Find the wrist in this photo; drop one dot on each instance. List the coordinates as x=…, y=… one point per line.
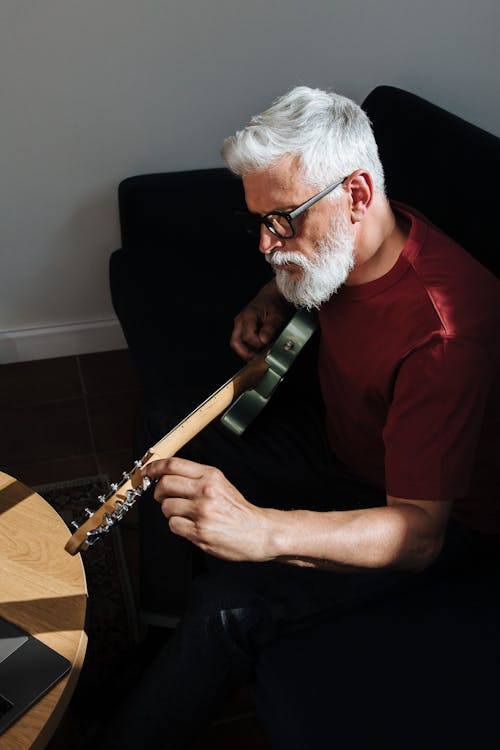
x=276, y=534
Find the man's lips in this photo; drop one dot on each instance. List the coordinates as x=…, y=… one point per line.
x=288, y=266
x=281, y=261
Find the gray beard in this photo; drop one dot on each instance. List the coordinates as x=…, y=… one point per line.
x=324, y=275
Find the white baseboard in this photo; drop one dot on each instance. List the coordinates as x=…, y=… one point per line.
x=62, y=340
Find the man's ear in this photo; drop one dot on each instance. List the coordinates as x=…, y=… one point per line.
x=360, y=187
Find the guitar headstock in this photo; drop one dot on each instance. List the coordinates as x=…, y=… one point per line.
x=114, y=505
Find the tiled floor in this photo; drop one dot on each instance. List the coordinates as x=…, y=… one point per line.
x=72, y=417
x=69, y=417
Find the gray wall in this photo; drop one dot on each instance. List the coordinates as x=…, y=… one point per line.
x=95, y=90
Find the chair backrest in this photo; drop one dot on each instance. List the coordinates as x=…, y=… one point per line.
x=185, y=268
x=441, y=165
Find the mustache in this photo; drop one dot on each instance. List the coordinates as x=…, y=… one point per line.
x=282, y=258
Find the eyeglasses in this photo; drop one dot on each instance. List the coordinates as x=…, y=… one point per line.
x=280, y=223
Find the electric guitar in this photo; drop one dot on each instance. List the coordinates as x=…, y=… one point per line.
x=241, y=398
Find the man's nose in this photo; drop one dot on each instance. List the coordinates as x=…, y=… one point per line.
x=269, y=241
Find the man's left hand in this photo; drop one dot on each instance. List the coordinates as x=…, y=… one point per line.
x=206, y=509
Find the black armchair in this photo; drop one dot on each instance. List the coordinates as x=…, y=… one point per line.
x=185, y=267
x=440, y=164
x=183, y=271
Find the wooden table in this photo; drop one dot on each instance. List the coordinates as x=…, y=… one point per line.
x=43, y=590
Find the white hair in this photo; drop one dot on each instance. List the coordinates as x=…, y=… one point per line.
x=330, y=134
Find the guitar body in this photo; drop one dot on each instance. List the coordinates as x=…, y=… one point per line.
x=280, y=358
x=241, y=398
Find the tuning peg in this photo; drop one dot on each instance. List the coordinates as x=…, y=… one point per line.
x=75, y=525
x=89, y=513
x=102, y=499
x=107, y=522
x=131, y=497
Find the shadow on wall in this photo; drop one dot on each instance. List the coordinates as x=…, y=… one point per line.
x=66, y=298
x=82, y=245
x=8, y=349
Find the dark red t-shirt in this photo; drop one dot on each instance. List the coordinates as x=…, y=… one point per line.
x=409, y=367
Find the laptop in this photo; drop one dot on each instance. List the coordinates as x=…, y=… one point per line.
x=28, y=669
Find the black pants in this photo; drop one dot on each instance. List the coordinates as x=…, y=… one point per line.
x=235, y=610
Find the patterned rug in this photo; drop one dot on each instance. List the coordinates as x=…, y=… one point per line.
x=111, y=621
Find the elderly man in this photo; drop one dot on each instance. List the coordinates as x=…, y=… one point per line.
x=379, y=486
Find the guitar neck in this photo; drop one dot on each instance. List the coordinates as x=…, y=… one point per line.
x=125, y=493
x=266, y=369
x=209, y=409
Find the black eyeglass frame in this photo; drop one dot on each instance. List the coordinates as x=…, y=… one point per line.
x=288, y=216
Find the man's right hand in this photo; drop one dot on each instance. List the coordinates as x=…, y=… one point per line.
x=260, y=321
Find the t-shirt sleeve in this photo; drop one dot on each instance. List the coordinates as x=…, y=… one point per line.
x=435, y=420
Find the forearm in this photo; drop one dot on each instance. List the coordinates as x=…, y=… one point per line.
x=392, y=537
x=206, y=509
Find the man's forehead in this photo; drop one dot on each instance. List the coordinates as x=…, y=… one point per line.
x=270, y=187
